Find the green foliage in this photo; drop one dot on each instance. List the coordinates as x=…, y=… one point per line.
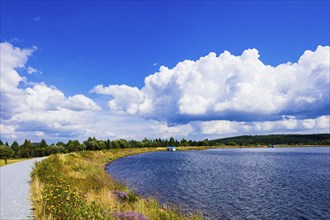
x=76, y=186
x=28, y=149
x=16, y=149
x=206, y=142
x=43, y=144
x=184, y=142
x=59, y=198
x=289, y=139
x=6, y=152
x=171, y=142
x=60, y=143
x=122, y=143
x=54, y=149
x=72, y=145
x=93, y=144
x=101, y=144
x=231, y=143
x=132, y=198
x=14, y=145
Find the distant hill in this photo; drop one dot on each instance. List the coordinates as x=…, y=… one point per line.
x=287, y=139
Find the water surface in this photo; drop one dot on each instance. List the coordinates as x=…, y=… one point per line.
x=279, y=183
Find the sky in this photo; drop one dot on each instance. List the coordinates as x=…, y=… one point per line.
x=160, y=69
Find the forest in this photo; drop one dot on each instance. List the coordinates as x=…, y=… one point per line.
x=280, y=139
x=39, y=149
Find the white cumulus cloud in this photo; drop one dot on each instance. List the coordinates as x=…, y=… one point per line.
x=38, y=107
x=228, y=87
x=286, y=125
x=212, y=97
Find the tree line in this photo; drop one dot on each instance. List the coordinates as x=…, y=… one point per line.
x=40, y=149
x=277, y=139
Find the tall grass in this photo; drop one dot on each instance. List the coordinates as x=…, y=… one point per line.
x=76, y=186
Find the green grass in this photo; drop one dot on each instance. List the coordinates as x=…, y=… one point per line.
x=10, y=161
x=76, y=186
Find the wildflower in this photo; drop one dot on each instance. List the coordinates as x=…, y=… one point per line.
x=129, y=216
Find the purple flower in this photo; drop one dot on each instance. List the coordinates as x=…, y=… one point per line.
x=129, y=216
x=120, y=195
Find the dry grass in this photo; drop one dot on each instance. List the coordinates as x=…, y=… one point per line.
x=76, y=186
x=10, y=161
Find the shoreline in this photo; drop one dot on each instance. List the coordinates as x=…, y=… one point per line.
x=84, y=173
x=205, y=216
x=81, y=181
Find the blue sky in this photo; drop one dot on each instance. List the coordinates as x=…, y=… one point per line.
x=85, y=44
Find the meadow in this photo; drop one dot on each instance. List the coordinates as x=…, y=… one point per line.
x=10, y=161
x=76, y=186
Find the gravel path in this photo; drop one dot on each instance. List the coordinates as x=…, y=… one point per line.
x=14, y=190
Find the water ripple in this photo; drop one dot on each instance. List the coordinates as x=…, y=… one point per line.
x=283, y=183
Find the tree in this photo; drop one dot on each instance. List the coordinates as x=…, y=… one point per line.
x=60, y=143
x=1, y=143
x=70, y=147
x=171, y=142
x=184, y=142
x=115, y=144
x=231, y=143
x=92, y=145
x=123, y=143
x=39, y=152
x=206, y=142
x=146, y=142
x=26, y=148
x=83, y=147
x=56, y=149
x=73, y=145
x=43, y=143
x=5, y=153
x=108, y=144
x=101, y=145
x=16, y=149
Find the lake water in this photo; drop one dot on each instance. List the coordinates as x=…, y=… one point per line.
x=278, y=183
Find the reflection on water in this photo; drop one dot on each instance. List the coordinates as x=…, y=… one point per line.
x=278, y=183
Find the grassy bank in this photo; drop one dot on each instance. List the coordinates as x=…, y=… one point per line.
x=76, y=186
